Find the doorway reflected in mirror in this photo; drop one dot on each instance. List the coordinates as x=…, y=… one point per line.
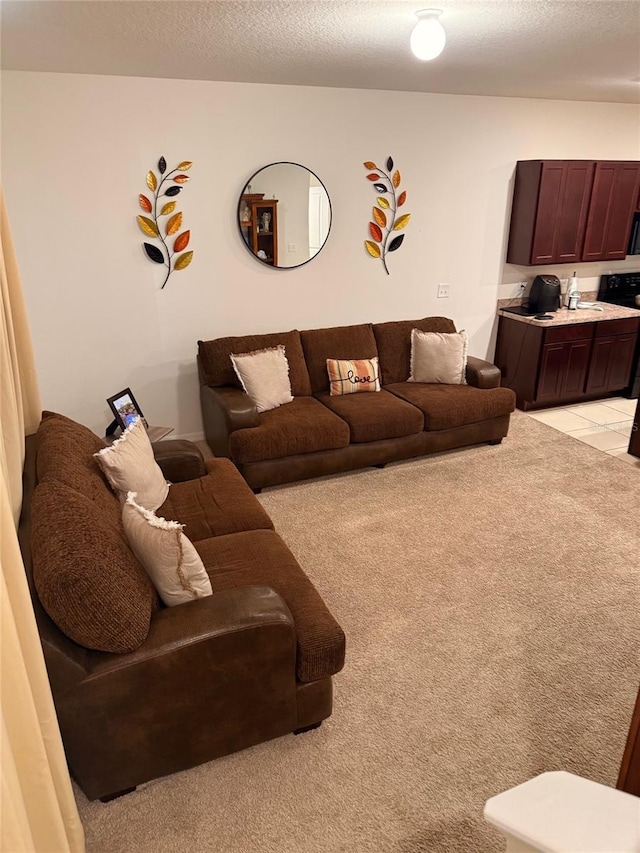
x=284, y=215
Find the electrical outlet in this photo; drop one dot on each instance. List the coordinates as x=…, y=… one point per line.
x=443, y=291
x=291, y=247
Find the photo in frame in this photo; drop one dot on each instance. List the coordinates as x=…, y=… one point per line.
x=125, y=408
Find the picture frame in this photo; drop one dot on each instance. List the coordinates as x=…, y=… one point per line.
x=125, y=408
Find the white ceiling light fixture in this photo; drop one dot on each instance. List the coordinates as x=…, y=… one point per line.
x=428, y=37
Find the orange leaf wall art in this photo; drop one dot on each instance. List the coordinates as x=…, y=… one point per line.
x=385, y=221
x=170, y=184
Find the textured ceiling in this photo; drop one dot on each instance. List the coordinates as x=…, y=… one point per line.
x=574, y=49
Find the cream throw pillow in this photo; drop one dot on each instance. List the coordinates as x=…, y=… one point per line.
x=169, y=558
x=264, y=375
x=129, y=465
x=438, y=357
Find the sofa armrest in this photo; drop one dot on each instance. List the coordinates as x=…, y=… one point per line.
x=179, y=460
x=482, y=374
x=213, y=676
x=224, y=410
x=225, y=614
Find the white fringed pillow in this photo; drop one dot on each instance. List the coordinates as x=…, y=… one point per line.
x=264, y=375
x=129, y=465
x=169, y=558
x=439, y=357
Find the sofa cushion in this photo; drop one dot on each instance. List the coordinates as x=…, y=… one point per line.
x=352, y=342
x=215, y=358
x=260, y=557
x=65, y=454
x=86, y=576
x=394, y=344
x=129, y=466
x=449, y=406
x=372, y=417
x=214, y=505
x=169, y=558
x=303, y=426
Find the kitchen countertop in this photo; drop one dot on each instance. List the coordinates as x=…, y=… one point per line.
x=564, y=317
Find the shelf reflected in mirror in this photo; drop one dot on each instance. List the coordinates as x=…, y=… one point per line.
x=284, y=215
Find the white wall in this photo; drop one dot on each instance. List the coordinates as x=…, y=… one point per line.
x=75, y=152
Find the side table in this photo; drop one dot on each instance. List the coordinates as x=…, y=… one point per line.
x=155, y=433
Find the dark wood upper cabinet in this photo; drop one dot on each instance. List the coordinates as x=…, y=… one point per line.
x=566, y=211
x=550, y=206
x=613, y=202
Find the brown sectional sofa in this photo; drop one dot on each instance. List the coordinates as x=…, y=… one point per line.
x=143, y=690
x=318, y=434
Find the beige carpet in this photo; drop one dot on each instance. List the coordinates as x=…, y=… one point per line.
x=490, y=598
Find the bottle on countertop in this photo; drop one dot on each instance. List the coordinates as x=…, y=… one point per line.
x=572, y=287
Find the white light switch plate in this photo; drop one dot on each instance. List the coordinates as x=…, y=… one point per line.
x=443, y=291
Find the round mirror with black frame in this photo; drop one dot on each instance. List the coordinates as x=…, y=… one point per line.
x=284, y=215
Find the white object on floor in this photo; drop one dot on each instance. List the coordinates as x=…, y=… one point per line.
x=558, y=812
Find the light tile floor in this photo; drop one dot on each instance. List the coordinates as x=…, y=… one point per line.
x=605, y=424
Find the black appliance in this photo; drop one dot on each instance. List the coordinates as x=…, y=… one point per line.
x=545, y=294
x=634, y=240
x=624, y=289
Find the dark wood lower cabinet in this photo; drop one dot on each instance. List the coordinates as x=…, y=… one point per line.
x=549, y=365
x=610, y=363
x=621, y=360
x=600, y=362
x=552, y=369
x=563, y=370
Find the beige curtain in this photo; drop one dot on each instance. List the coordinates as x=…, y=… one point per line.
x=37, y=808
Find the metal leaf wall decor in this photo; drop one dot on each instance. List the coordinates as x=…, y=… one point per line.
x=385, y=218
x=168, y=185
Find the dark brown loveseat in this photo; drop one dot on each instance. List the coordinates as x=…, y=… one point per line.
x=142, y=690
x=318, y=434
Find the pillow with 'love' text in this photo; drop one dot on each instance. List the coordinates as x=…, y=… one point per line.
x=350, y=376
